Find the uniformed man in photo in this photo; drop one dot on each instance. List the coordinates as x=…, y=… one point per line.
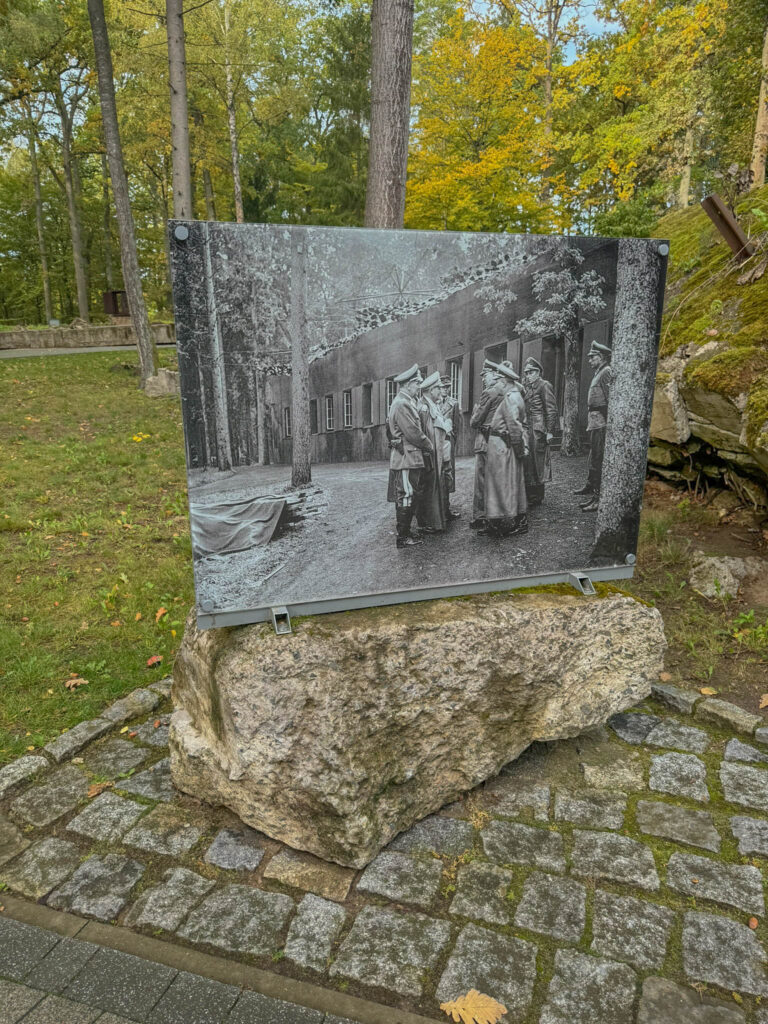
x=493, y=392
x=449, y=407
x=505, y=501
x=432, y=511
x=409, y=449
x=599, y=357
x=543, y=421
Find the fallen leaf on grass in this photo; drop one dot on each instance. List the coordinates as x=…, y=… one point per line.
x=74, y=681
x=474, y=1008
x=137, y=617
x=117, y=622
x=154, y=660
x=98, y=787
x=160, y=613
x=753, y=923
x=764, y=701
x=708, y=691
x=665, y=677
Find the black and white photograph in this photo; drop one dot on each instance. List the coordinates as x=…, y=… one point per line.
x=372, y=414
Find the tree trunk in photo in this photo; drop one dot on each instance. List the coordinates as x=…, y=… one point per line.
x=301, y=461
x=571, y=443
x=232, y=122
x=684, y=192
x=131, y=274
x=223, y=445
x=640, y=280
x=391, y=47
x=760, y=144
x=39, y=214
x=106, y=227
x=177, y=78
x=262, y=450
x=75, y=228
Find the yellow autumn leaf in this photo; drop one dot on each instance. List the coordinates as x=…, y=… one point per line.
x=474, y=1008
x=764, y=701
x=708, y=691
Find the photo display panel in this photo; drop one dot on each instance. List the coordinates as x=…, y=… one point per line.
x=373, y=417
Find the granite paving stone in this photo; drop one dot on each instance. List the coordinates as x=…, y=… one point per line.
x=481, y=891
x=167, y=904
x=55, y=971
x=633, y=728
x=314, y=929
x=154, y=783
x=71, y=742
x=627, y=774
x=190, y=999
x=745, y=785
x=114, y=758
x=552, y=906
x=107, y=818
x=237, y=849
x=725, y=714
x=154, y=735
x=722, y=952
x=447, y=836
x=680, y=824
x=162, y=686
x=737, y=885
x=12, y=842
x=604, y=855
x=680, y=775
x=625, y=928
x=99, y=888
x=16, y=1000
x=676, y=698
x=596, y=809
x=255, y=1008
x=55, y=1010
x=41, y=867
x=663, y=1000
x=391, y=949
x=121, y=983
x=587, y=989
x=60, y=793
x=165, y=830
x=498, y=965
x=311, y=874
x=508, y=842
x=676, y=736
x=510, y=797
x=761, y=734
x=239, y=919
x=752, y=835
x=138, y=702
x=735, y=750
x=21, y=770
x=23, y=947
x=399, y=877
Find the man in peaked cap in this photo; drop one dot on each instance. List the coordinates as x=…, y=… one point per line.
x=505, y=501
x=450, y=410
x=599, y=357
x=543, y=421
x=409, y=447
x=432, y=511
x=482, y=414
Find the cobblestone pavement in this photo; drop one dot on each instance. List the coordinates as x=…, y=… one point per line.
x=617, y=878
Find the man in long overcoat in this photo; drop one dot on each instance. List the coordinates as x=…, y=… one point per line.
x=599, y=357
x=432, y=509
x=482, y=413
x=449, y=407
x=543, y=421
x=505, y=501
x=409, y=446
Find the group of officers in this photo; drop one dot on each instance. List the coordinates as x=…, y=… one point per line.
x=514, y=423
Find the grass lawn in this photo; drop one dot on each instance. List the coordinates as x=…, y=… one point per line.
x=96, y=568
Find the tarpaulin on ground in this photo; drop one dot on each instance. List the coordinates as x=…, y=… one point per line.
x=234, y=525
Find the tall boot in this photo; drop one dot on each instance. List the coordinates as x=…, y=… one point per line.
x=403, y=519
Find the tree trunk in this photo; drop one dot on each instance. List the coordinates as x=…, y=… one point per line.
x=571, y=443
x=210, y=200
x=301, y=462
x=39, y=214
x=223, y=444
x=760, y=144
x=231, y=122
x=106, y=227
x=177, y=77
x=684, y=192
x=75, y=228
x=639, y=288
x=391, y=46
x=262, y=449
x=131, y=275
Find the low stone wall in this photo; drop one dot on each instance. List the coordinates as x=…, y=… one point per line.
x=92, y=336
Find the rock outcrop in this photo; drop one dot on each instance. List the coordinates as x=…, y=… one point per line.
x=341, y=735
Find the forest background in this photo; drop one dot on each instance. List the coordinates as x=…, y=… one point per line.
x=526, y=115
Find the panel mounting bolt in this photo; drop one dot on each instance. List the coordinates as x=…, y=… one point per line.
x=630, y=559
x=664, y=249
x=181, y=233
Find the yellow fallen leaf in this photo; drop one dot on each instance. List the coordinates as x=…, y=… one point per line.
x=124, y=729
x=138, y=617
x=764, y=701
x=98, y=787
x=474, y=1008
x=708, y=691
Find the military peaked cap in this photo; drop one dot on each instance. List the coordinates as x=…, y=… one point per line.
x=406, y=375
x=508, y=371
x=489, y=367
x=534, y=363
x=445, y=380
x=600, y=350
x=430, y=381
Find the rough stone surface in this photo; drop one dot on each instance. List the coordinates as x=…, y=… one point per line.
x=718, y=575
x=625, y=775
x=19, y=771
x=61, y=792
x=154, y=783
x=481, y=891
x=744, y=785
x=552, y=906
x=139, y=702
x=680, y=775
x=402, y=879
x=108, y=818
x=391, y=950
x=723, y=713
x=511, y=797
x=586, y=989
x=633, y=727
x=23, y=946
x=491, y=963
x=304, y=871
x=167, y=904
x=99, y=888
x=737, y=885
x=254, y=1008
x=239, y=919
x=593, y=810
x=162, y=686
x=616, y=858
x=190, y=999
x=680, y=824
x=154, y=735
x=17, y=1000
x=761, y=734
x=677, y=736
x=165, y=830
x=115, y=758
x=665, y=1001
x=55, y=1010
x=752, y=835
x=41, y=867
x=628, y=929
x=735, y=750
x=446, y=836
x=507, y=842
x=12, y=842
x=676, y=698
x=121, y=984
x=236, y=849
x=59, y=967
x=313, y=931
x=453, y=719
x=73, y=740
x=722, y=952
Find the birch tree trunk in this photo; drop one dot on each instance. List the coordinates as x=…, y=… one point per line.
x=210, y=200
x=106, y=226
x=391, y=46
x=641, y=273
x=231, y=121
x=223, y=445
x=177, y=77
x=301, y=462
x=760, y=144
x=571, y=443
x=75, y=228
x=131, y=274
x=46, y=279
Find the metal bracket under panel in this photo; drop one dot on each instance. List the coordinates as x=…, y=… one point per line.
x=582, y=583
x=281, y=620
